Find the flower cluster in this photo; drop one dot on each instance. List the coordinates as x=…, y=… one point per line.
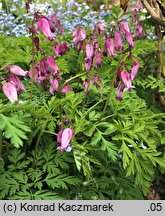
x=47, y=68
x=124, y=80
x=113, y=46
x=93, y=46
x=12, y=86
x=138, y=31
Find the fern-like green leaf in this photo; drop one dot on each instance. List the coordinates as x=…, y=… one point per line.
x=111, y=149
x=61, y=181
x=14, y=129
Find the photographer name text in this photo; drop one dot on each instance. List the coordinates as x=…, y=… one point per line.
x=25, y=207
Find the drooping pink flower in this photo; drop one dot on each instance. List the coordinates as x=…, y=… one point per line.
x=117, y=81
x=44, y=26
x=134, y=8
x=118, y=75
x=53, y=64
x=63, y=47
x=36, y=74
x=17, y=83
x=95, y=80
x=124, y=27
x=89, y=50
x=10, y=91
x=118, y=41
x=88, y=63
x=135, y=69
x=134, y=16
x=98, y=58
x=17, y=70
x=116, y=84
x=139, y=31
x=126, y=78
x=109, y=47
x=44, y=71
x=53, y=85
x=82, y=34
x=100, y=26
x=140, y=5
x=75, y=36
x=85, y=84
x=95, y=45
x=78, y=35
x=66, y=89
x=56, y=50
x=79, y=45
x=60, y=49
x=129, y=39
x=59, y=136
x=64, y=137
x=55, y=23
x=36, y=42
x=120, y=92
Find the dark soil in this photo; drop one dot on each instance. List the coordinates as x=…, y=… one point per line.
x=158, y=190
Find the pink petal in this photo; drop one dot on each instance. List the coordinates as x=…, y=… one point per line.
x=66, y=138
x=44, y=26
x=126, y=77
x=129, y=38
x=54, y=85
x=124, y=27
x=89, y=50
x=100, y=26
x=118, y=41
x=17, y=70
x=10, y=91
x=99, y=58
x=59, y=136
x=65, y=89
x=135, y=69
x=111, y=47
x=17, y=83
x=52, y=64
x=87, y=63
x=120, y=92
x=36, y=73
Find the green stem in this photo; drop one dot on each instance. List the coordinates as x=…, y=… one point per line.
x=33, y=62
x=89, y=111
x=108, y=97
x=89, y=82
x=37, y=144
x=102, y=119
x=86, y=93
x=72, y=78
x=49, y=132
x=1, y=135
x=92, y=107
x=109, y=94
